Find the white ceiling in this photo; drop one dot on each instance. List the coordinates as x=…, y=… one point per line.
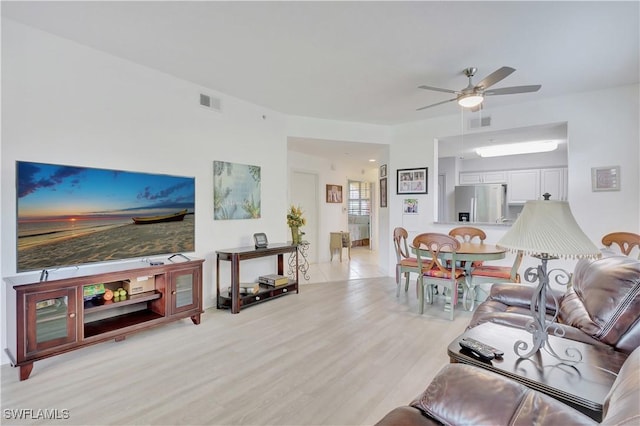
x=358, y=61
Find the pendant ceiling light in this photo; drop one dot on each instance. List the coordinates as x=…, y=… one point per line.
x=471, y=100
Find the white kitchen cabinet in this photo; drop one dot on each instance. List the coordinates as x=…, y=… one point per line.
x=523, y=185
x=554, y=181
x=472, y=178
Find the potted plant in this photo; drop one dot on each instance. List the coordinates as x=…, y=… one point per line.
x=295, y=220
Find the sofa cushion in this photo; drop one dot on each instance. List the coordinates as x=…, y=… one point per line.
x=406, y=416
x=621, y=406
x=463, y=394
x=509, y=304
x=604, y=299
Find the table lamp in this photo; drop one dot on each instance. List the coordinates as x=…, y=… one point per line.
x=546, y=230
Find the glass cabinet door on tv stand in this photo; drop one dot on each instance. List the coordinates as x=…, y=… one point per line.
x=185, y=291
x=51, y=319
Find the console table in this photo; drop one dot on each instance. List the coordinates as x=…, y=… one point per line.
x=302, y=264
x=234, y=299
x=583, y=386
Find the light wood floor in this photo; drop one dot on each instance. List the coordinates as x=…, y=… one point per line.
x=338, y=353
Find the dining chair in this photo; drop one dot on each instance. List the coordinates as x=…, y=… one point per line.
x=434, y=272
x=405, y=263
x=468, y=234
x=484, y=273
x=626, y=241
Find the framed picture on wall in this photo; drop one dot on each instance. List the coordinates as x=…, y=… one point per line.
x=410, y=206
x=412, y=181
x=383, y=171
x=334, y=193
x=383, y=192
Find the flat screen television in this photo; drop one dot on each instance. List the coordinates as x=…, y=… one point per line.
x=69, y=216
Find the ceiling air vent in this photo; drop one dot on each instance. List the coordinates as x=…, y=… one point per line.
x=476, y=123
x=210, y=102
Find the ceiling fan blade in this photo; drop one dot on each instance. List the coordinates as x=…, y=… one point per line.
x=495, y=77
x=439, y=103
x=438, y=89
x=513, y=90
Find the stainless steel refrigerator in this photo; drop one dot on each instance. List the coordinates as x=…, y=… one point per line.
x=481, y=203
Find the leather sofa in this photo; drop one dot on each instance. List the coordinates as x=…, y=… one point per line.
x=464, y=394
x=600, y=307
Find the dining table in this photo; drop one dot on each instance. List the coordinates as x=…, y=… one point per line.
x=467, y=254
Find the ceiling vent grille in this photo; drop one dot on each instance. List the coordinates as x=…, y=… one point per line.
x=210, y=102
x=476, y=123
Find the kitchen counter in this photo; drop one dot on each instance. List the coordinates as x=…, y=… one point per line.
x=501, y=224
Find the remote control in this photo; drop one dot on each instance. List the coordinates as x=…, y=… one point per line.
x=477, y=349
x=497, y=352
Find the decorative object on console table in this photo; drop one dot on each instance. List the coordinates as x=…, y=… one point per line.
x=260, y=240
x=273, y=280
x=546, y=230
x=247, y=288
x=295, y=221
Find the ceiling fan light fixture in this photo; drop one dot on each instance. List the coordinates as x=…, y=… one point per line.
x=470, y=100
x=531, y=147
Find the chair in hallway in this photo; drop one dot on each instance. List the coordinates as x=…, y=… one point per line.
x=405, y=263
x=626, y=241
x=434, y=272
x=338, y=241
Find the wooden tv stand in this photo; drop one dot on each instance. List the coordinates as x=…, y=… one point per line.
x=234, y=299
x=50, y=317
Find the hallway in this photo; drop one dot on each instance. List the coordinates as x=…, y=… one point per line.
x=363, y=264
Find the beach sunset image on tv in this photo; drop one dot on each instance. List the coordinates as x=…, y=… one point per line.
x=70, y=215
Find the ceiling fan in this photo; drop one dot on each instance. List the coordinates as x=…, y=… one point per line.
x=472, y=96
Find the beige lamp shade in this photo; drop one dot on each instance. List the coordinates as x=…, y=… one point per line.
x=548, y=227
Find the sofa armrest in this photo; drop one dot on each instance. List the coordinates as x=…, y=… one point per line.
x=520, y=295
x=406, y=416
x=464, y=394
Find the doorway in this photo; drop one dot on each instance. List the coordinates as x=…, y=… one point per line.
x=304, y=193
x=359, y=205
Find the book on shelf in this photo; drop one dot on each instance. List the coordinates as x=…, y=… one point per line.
x=248, y=288
x=273, y=280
